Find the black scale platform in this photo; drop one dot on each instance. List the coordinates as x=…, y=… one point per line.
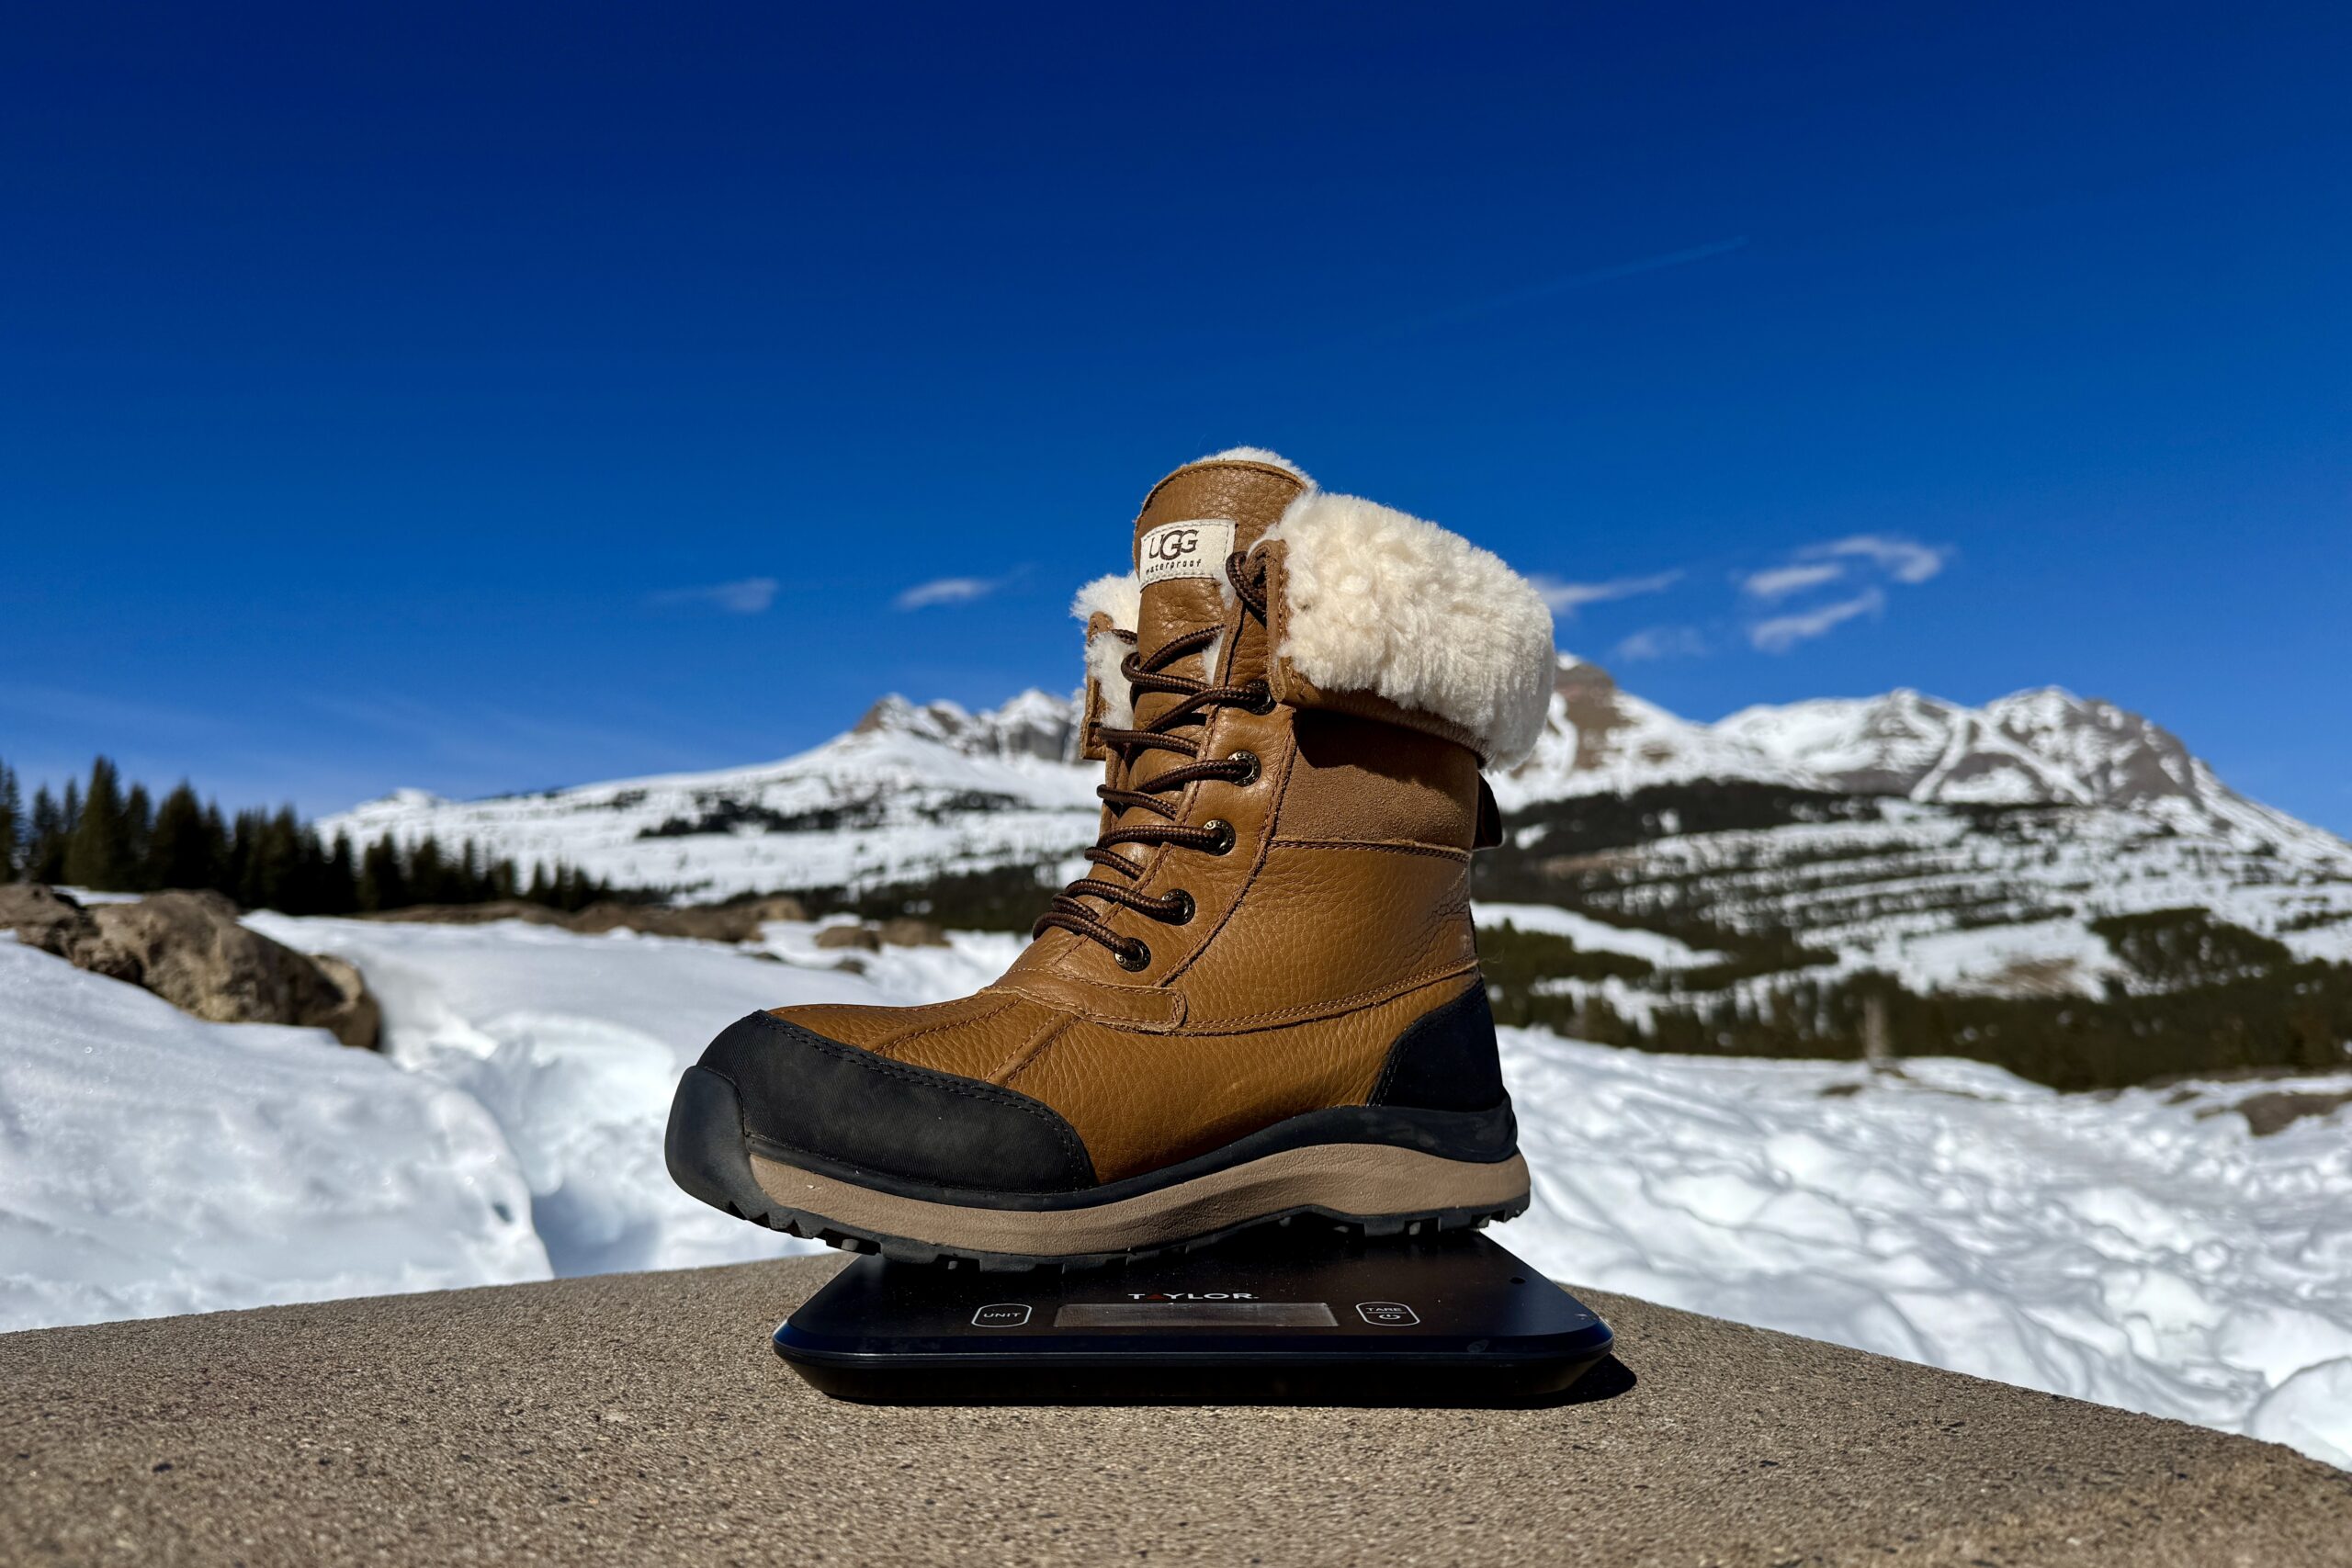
x=1292, y=1314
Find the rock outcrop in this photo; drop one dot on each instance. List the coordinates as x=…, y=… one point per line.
x=189, y=949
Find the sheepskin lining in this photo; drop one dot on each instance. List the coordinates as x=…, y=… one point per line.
x=1109, y=605
x=1378, y=602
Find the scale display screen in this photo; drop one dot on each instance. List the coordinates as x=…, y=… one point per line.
x=1195, y=1315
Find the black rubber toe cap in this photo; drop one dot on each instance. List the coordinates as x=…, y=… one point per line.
x=802, y=1093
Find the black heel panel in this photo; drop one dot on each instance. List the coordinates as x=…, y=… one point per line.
x=1446, y=1059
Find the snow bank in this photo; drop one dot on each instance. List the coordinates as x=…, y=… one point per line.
x=2140, y=1249
x=574, y=1044
x=2143, y=1250
x=151, y=1163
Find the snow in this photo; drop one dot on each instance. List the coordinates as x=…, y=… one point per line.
x=2310, y=1410
x=1913, y=888
x=2143, y=1250
x=1595, y=936
x=910, y=792
x=573, y=1046
x=2031, y=958
x=2140, y=1249
x=152, y=1162
x=1625, y=744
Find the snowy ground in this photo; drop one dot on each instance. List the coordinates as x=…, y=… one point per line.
x=152, y=1162
x=2144, y=1249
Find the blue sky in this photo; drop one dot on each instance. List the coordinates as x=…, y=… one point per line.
x=488, y=398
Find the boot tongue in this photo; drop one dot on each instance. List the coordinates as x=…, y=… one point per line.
x=1191, y=521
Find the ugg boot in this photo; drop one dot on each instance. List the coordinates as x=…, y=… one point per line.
x=1264, y=1000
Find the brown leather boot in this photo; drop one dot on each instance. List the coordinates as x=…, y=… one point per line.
x=1265, y=1000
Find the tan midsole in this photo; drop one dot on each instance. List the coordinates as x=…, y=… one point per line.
x=1348, y=1179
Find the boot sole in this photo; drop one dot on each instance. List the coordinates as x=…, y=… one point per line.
x=1371, y=1190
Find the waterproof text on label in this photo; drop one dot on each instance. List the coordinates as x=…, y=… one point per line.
x=1194, y=548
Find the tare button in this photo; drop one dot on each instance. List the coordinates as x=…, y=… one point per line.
x=1001, y=1315
x=1386, y=1314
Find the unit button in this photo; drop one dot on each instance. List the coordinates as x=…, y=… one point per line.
x=1001, y=1315
x=1386, y=1314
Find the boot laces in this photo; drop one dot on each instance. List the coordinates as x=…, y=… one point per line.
x=1182, y=729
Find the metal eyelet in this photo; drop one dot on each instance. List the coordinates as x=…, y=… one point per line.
x=1265, y=699
x=1223, y=837
x=1132, y=956
x=1251, y=768
x=1181, y=909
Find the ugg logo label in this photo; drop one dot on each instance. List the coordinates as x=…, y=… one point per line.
x=1197, y=547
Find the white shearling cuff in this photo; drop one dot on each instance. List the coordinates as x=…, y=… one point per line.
x=1374, y=602
x=1381, y=602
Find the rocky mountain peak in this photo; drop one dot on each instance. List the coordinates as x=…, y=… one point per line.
x=1034, y=724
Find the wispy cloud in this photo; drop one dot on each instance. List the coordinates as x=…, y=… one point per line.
x=947, y=591
x=124, y=717
x=1780, y=581
x=1661, y=642
x=496, y=744
x=750, y=596
x=1782, y=633
x=1864, y=565
x=1567, y=598
x=1906, y=560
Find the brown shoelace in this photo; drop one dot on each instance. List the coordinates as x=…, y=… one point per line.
x=1200, y=700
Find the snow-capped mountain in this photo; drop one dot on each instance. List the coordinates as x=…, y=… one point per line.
x=1963, y=842
x=1034, y=725
x=2039, y=747
x=908, y=793
x=1599, y=739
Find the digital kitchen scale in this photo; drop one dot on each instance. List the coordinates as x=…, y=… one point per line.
x=1273, y=1316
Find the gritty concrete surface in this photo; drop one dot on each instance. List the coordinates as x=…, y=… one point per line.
x=643, y=1419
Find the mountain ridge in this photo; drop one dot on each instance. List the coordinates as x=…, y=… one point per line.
x=2043, y=746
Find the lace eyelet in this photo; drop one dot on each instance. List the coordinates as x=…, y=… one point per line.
x=1132, y=956
x=1181, y=909
x=1251, y=769
x=1264, y=702
x=1223, y=840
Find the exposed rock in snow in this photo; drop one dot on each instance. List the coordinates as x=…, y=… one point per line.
x=1600, y=739
x=189, y=949
x=1033, y=725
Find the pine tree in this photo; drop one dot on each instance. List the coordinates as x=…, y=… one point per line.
x=383, y=882
x=270, y=877
x=218, y=849
x=138, y=836
x=240, y=876
x=45, y=850
x=428, y=878
x=339, y=895
x=97, y=851
x=12, y=811
x=181, y=851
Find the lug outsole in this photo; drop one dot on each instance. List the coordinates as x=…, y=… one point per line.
x=708, y=1158
x=905, y=1249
